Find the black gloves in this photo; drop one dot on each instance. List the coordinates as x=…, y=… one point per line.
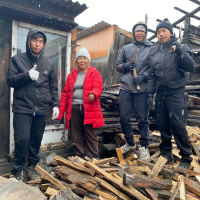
x=139, y=79
x=128, y=66
x=179, y=50
x=150, y=101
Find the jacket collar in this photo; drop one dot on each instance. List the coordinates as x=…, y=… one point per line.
x=166, y=44
x=90, y=70
x=143, y=43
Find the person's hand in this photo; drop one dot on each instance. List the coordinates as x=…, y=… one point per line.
x=150, y=101
x=128, y=66
x=139, y=79
x=55, y=113
x=34, y=74
x=91, y=96
x=178, y=50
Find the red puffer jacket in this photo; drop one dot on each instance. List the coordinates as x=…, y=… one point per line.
x=92, y=109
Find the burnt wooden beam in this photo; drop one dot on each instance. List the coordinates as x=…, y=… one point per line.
x=195, y=1
x=180, y=20
x=185, y=12
x=186, y=35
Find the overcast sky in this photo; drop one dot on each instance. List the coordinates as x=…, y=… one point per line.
x=125, y=13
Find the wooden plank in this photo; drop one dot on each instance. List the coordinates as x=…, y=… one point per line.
x=105, y=195
x=155, y=155
x=48, y=177
x=134, y=156
x=190, y=185
x=145, y=169
x=152, y=194
x=164, y=194
x=197, y=169
x=196, y=150
x=51, y=192
x=120, y=156
x=185, y=171
x=131, y=191
x=74, y=165
x=182, y=190
x=158, y=167
x=106, y=160
x=113, y=189
x=175, y=192
x=195, y=30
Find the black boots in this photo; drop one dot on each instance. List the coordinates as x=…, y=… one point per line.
x=185, y=163
x=168, y=155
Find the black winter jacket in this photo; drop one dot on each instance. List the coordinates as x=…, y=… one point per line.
x=33, y=97
x=168, y=72
x=142, y=50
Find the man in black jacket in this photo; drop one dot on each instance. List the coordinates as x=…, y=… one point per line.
x=140, y=47
x=34, y=79
x=168, y=78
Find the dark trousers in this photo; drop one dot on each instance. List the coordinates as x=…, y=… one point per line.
x=83, y=135
x=28, y=133
x=171, y=119
x=126, y=100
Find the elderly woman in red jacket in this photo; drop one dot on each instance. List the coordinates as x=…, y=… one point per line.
x=80, y=101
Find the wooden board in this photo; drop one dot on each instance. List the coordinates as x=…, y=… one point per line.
x=120, y=156
x=158, y=167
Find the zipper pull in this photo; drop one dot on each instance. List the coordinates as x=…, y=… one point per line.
x=161, y=48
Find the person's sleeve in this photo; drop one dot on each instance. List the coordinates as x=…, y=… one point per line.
x=120, y=61
x=187, y=61
x=63, y=100
x=151, y=85
x=53, y=87
x=14, y=78
x=97, y=84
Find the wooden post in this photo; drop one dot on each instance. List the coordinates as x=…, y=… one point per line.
x=186, y=35
x=73, y=49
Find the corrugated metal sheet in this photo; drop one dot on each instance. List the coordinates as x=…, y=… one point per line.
x=75, y=7
x=94, y=29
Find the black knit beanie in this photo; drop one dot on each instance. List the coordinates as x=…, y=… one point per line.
x=38, y=35
x=165, y=24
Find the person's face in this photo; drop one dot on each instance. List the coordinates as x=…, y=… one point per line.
x=36, y=45
x=82, y=63
x=163, y=35
x=139, y=35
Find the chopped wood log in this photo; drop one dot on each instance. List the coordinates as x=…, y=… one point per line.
x=45, y=186
x=197, y=169
x=175, y=192
x=196, y=150
x=132, y=163
x=113, y=189
x=105, y=195
x=77, y=177
x=182, y=190
x=190, y=185
x=129, y=190
x=153, y=145
x=185, y=171
x=35, y=181
x=164, y=194
x=145, y=182
x=104, y=161
x=74, y=165
x=145, y=169
x=51, y=192
x=158, y=167
x=152, y=194
x=120, y=156
x=50, y=178
x=120, y=139
x=166, y=172
x=155, y=155
x=134, y=156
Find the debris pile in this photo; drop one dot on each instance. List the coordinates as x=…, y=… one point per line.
x=122, y=177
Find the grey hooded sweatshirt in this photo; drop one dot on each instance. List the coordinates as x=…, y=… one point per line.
x=142, y=50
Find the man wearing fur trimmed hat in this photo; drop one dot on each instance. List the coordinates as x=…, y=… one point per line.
x=129, y=95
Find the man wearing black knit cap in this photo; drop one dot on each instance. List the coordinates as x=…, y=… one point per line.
x=34, y=79
x=168, y=78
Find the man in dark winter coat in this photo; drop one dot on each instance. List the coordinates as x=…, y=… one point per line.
x=168, y=79
x=128, y=92
x=34, y=79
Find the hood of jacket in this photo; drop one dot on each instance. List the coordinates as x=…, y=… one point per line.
x=140, y=23
x=32, y=57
